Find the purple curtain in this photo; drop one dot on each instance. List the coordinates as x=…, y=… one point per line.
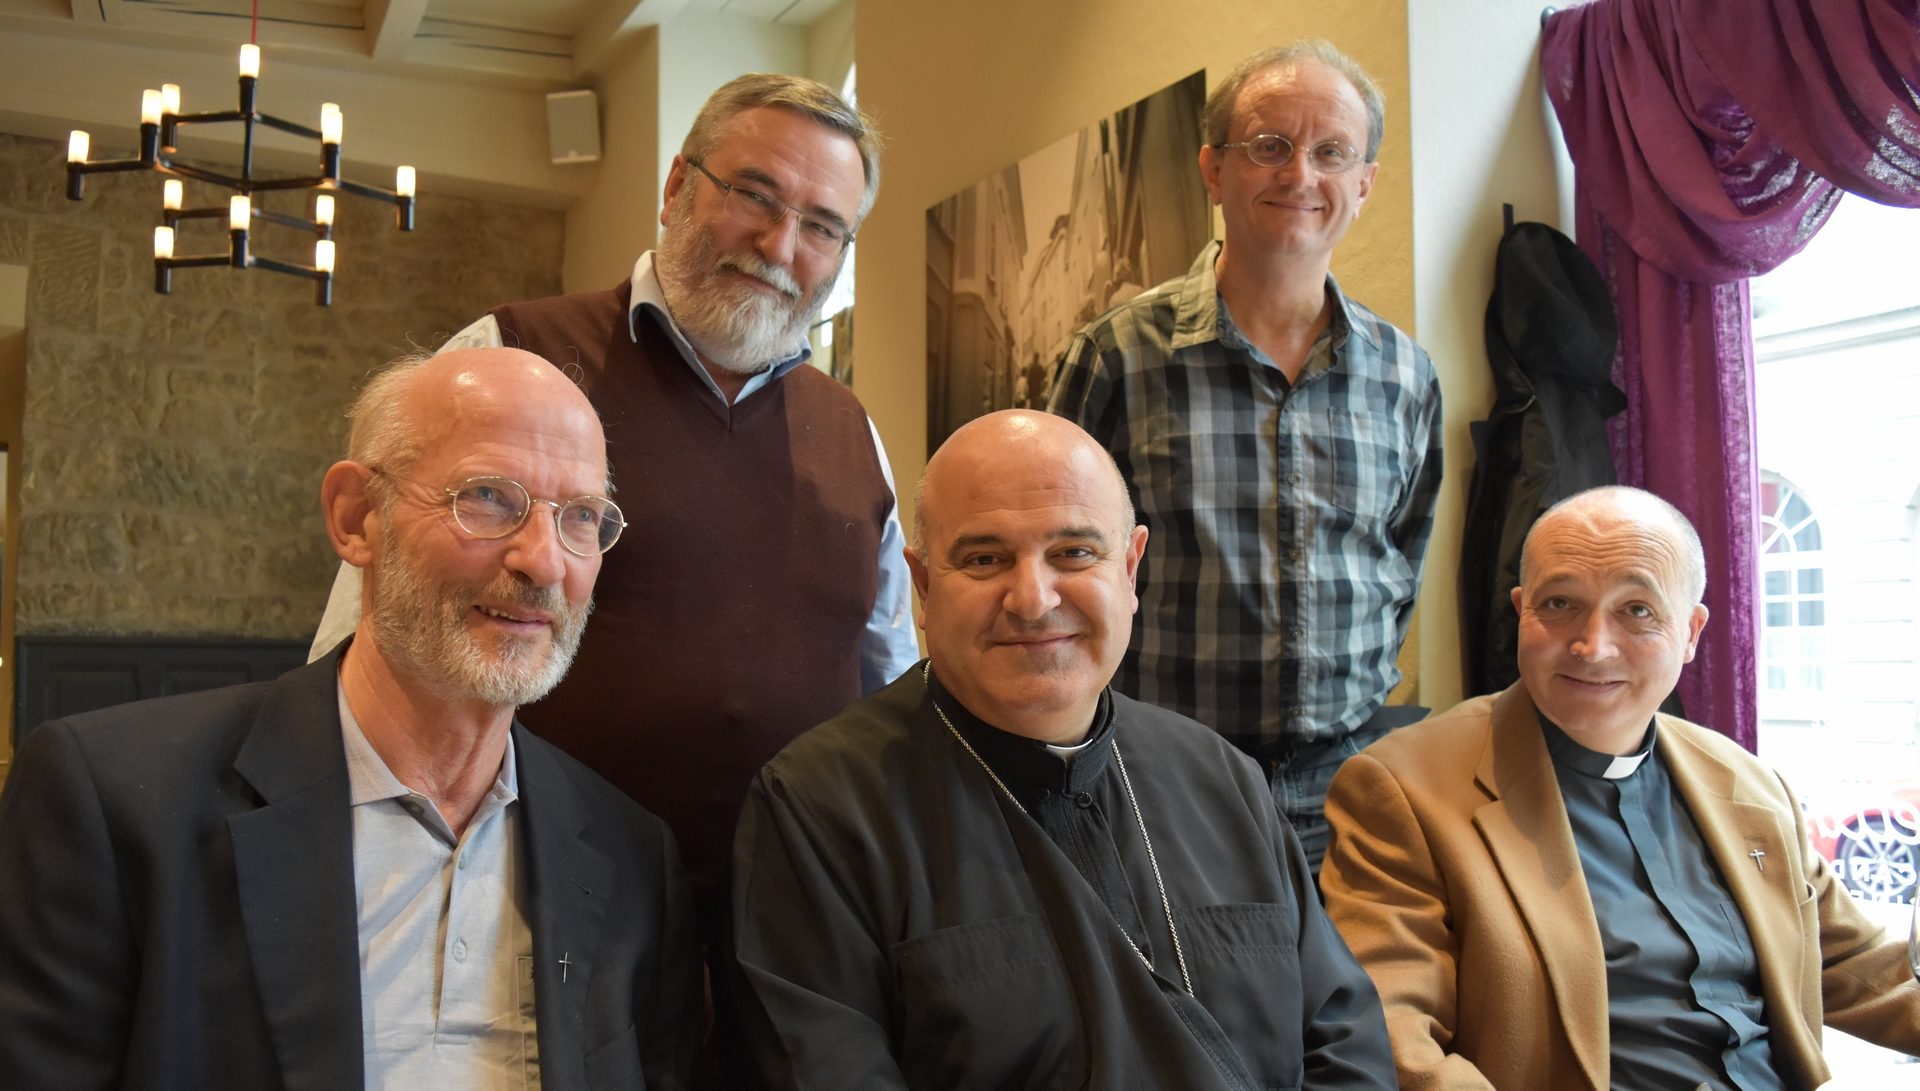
x=1710, y=140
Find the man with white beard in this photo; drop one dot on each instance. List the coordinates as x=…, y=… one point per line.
x=766, y=589
x=364, y=874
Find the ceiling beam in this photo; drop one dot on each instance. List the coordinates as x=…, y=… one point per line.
x=391, y=25
x=608, y=29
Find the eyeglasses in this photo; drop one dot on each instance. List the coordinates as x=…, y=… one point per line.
x=749, y=207
x=1274, y=150
x=494, y=507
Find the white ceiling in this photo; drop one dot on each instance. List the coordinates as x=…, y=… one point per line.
x=523, y=43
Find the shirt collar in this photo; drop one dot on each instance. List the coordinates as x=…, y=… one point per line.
x=1200, y=315
x=1593, y=763
x=647, y=297
x=1027, y=766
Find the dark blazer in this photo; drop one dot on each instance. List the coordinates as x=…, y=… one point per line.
x=177, y=904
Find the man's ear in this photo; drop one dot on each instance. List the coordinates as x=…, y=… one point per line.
x=918, y=570
x=1210, y=163
x=676, y=180
x=352, y=518
x=1696, y=621
x=1136, y=549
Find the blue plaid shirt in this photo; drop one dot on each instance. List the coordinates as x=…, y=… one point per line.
x=1288, y=520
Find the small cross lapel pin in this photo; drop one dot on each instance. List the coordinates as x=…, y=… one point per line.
x=565, y=965
x=1759, y=859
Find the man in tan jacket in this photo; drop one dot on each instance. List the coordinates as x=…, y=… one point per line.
x=1556, y=887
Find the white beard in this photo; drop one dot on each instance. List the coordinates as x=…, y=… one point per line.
x=736, y=328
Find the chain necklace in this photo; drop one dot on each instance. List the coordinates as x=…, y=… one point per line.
x=1153, y=861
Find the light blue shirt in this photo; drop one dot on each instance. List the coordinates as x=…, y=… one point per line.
x=887, y=647
x=446, y=953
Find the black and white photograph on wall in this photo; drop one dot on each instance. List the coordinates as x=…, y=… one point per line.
x=1020, y=260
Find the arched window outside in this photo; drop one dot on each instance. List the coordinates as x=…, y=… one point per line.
x=1793, y=643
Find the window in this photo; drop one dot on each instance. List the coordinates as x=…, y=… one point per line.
x=1793, y=640
x=1837, y=384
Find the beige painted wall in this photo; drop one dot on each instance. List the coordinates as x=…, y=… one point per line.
x=614, y=221
x=1481, y=136
x=648, y=99
x=967, y=89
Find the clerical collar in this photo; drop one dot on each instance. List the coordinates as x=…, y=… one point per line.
x=1028, y=766
x=1593, y=763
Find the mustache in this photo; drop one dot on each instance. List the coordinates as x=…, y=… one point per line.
x=754, y=267
x=515, y=590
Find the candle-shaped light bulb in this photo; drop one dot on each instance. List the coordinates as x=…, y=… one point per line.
x=170, y=98
x=150, y=107
x=77, y=143
x=162, y=243
x=239, y=213
x=403, y=181
x=330, y=123
x=172, y=191
x=323, y=255
x=250, y=61
x=323, y=209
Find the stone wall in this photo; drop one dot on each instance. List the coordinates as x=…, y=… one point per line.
x=173, y=445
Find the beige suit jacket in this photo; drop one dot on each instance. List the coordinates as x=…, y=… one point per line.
x=1453, y=876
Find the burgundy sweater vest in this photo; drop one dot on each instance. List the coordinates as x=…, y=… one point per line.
x=729, y=616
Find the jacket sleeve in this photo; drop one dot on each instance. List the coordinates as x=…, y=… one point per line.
x=810, y=998
x=1344, y=1042
x=671, y=1005
x=67, y=976
x=1413, y=523
x=1385, y=896
x=1866, y=987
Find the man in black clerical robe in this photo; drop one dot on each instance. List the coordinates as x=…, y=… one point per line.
x=998, y=873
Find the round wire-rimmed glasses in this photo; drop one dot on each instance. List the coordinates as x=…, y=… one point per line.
x=494, y=507
x=1274, y=150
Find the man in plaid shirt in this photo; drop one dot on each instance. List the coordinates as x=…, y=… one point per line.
x=1281, y=440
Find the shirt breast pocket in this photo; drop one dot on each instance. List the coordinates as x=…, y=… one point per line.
x=1366, y=457
x=986, y=1005
x=1245, y=960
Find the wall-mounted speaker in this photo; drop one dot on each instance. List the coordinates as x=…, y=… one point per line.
x=573, y=126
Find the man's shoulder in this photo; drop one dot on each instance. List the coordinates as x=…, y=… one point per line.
x=588, y=789
x=1154, y=311
x=1391, y=344
x=1439, y=746
x=1180, y=739
x=153, y=748
x=596, y=312
x=851, y=746
x=1683, y=735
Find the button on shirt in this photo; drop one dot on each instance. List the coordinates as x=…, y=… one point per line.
x=446, y=953
x=1289, y=519
x=1683, y=986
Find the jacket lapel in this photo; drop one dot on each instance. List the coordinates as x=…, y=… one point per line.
x=570, y=879
x=293, y=865
x=1526, y=831
x=1767, y=888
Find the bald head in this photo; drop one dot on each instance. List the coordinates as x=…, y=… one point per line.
x=986, y=445
x=1611, y=510
x=1024, y=554
x=416, y=401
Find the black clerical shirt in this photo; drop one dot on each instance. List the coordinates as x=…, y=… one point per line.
x=1683, y=987
x=900, y=922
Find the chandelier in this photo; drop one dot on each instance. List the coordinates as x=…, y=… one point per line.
x=161, y=121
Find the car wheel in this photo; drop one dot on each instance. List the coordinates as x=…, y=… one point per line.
x=1879, y=860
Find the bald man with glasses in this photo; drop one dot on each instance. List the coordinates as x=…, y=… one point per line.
x=365, y=873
